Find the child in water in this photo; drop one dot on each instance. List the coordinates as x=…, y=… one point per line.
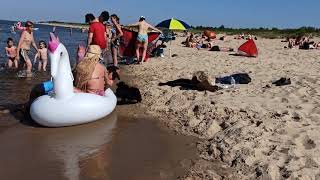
x=11, y=52
x=43, y=56
x=81, y=52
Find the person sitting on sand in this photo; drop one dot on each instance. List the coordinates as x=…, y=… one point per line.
x=299, y=40
x=26, y=40
x=142, y=38
x=91, y=76
x=43, y=56
x=223, y=49
x=307, y=44
x=207, y=45
x=191, y=41
x=11, y=52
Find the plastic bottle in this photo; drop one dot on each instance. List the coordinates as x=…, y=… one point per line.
x=232, y=81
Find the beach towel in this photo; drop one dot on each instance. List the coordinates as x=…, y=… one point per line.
x=249, y=49
x=128, y=43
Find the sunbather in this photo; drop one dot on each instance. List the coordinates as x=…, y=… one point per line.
x=223, y=49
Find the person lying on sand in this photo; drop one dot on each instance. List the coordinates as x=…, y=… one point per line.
x=223, y=49
x=240, y=36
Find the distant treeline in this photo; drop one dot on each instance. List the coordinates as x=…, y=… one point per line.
x=263, y=32
x=66, y=23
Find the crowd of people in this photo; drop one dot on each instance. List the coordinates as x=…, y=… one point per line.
x=204, y=42
x=90, y=73
x=19, y=56
x=302, y=42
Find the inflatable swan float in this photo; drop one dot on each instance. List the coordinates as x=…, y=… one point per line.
x=64, y=107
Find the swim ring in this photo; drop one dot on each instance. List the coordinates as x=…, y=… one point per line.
x=63, y=107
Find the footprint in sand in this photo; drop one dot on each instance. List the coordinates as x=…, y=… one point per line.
x=304, y=141
x=296, y=116
x=309, y=143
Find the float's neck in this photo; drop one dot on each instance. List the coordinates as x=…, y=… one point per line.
x=63, y=82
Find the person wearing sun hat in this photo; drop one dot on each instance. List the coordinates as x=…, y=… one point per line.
x=142, y=38
x=89, y=75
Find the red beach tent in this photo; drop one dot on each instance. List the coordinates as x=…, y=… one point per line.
x=249, y=49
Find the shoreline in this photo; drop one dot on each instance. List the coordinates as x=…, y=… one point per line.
x=253, y=131
x=66, y=25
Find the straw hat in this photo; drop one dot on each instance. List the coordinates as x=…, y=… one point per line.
x=93, y=50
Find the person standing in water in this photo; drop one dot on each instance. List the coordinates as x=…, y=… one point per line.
x=11, y=52
x=24, y=47
x=115, y=39
x=43, y=56
x=142, y=38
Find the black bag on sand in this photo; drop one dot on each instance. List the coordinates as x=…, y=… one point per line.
x=282, y=82
x=127, y=95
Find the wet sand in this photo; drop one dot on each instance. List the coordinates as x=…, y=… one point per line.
x=126, y=145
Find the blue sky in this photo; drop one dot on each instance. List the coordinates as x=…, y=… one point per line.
x=230, y=13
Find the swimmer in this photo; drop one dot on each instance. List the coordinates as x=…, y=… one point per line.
x=11, y=52
x=43, y=56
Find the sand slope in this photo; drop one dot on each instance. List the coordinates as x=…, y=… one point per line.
x=256, y=131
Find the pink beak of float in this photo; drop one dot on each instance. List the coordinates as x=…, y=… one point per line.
x=53, y=43
x=54, y=58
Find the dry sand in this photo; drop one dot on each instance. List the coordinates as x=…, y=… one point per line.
x=248, y=132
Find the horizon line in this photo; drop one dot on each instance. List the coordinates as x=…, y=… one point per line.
x=197, y=26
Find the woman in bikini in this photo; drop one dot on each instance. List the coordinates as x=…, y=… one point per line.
x=90, y=75
x=142, y=39
x=24, y=46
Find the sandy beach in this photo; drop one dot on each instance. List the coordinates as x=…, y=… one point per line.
x=254, y=131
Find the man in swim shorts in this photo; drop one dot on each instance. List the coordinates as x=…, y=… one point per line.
x=142, y=38
x=24, y=46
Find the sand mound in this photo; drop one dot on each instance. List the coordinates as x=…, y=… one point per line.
x=258, y=131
